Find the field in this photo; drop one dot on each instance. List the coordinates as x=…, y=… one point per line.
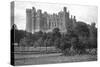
x=32, y=57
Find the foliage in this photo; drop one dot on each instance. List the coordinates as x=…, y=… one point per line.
x=81, y=29
x=81, y=37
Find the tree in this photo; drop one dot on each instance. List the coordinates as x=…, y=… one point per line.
x=82, y=31
x=57, y=43
x=56, y=32
x=19, y=34
x=25, y=42
x=93, y=36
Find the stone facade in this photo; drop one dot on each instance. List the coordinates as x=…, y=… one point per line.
x=38, y=21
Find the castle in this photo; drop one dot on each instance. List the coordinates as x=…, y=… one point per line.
x=38, y=21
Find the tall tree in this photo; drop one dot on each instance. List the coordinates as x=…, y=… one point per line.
x=82, y=31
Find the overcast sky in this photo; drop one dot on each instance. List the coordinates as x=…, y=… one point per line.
x=87, y=14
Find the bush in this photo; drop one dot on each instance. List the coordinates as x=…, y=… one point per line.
x=92, y=51
x=25, y=42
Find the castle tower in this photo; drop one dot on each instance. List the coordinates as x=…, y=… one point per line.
x=44, y=21
x=48, y=22
x=74, y=20
x=65, y=9
x=64, y=19
x=28, y=20
x=38, y=24
x=33, y=19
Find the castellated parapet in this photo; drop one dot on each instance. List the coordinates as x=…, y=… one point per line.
x=38, y=21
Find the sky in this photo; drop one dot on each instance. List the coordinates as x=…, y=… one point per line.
x=83, y=13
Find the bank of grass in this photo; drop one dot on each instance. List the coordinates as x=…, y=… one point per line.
x=33, y=56
x=54, y=59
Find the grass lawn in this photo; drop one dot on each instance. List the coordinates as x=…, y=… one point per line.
x=51, y=58
x=33, y=56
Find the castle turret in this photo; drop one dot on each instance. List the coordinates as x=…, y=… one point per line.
x=65, y=18
x=33, y=19
x=39, y=20
x=71, y=17
x=65, y=9
x=44, y=21
x=74, y=19
x=28, y=20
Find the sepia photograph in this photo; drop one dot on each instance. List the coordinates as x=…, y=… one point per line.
x=49, y=33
